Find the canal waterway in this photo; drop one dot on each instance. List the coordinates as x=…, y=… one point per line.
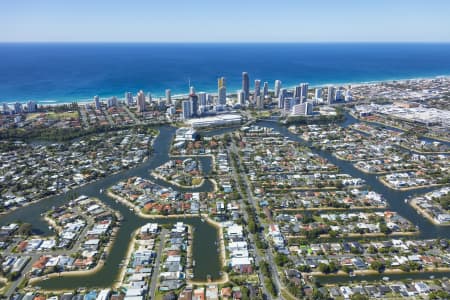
x=205, y=237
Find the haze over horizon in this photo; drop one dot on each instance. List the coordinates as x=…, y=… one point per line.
x=234, y=21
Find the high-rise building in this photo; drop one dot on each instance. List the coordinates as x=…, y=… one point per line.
x=266, y=89
x=112, y=102
x=129, y=98
x=6, y=109
x=302, y=109
x=17, y=108
x=318, y=93
x=193, y=99
x=330, y=95
x=168, y=97
x=257, y=89
x=246, y=85
x=277, y=88
x=221, y=91
x=348, y=95
x=186, y=109
x=281, y=97
x=31, y=106
x=303, y=92
x=97, y=102
x=141, y=101
x=260, y=102
x=202, y=98
x=241, y=97
x=191, y=90
x=338, y=95
x=220, y=82
x=287, y=103
x=209, y=99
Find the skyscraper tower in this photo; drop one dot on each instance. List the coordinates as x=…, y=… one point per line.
x=318, y=93
x=303, y=92
x=281, y=97
x=168, y=96
x=241, y=97
x=257, y=89
x=245, y=85
x=129, y=98
x=193, y=99
x=330, y=95
x=186, y=107
x=141, y=101
x=221, y=91
x=202, y=98
x=266, y=89
x=277, y=88
x=97, y=102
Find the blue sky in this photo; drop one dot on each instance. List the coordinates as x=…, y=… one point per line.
x=225, y=21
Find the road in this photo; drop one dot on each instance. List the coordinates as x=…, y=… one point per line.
x=132, y=115
x=268, y=257
x=156, y=268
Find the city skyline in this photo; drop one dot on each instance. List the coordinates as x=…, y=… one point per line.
x=203, y=21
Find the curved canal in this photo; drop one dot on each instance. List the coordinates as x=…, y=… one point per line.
x=205, y=237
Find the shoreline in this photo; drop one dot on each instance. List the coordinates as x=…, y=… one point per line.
x=143, y=215
x=374, y=272
x=180, y=95
x=157, y=176
x=101, y=262
x=425, y=214
x=410, y=188
x=355, y=235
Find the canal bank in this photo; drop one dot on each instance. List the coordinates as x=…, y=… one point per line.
x=208, y=264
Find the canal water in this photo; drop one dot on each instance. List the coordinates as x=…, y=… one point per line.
x=205, y=237
x=396, y=200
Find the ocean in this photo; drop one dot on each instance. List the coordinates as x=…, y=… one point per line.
x=54, y=73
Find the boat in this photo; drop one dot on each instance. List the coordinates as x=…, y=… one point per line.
x=101, y=191
x=203, y=220
x=193, y=263
x=385, y=278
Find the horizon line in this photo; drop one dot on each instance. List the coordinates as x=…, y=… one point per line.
x=225, y=42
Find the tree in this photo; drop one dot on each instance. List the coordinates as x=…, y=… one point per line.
x=281, y=259
x=359, y=296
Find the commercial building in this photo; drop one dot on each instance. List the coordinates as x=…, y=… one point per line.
x=330, y=96
x=266, y=89
x=246, y=85
x=186, y=109
x=241, y=97
x=168, y=96
x=257, y=89
x=202, y=98
x=318, y=93
x=141, y=101
x=221, y=91
x=112, y=102
x=220, y=120
x=31, y=106
x=260, y=102
x=302, y=109
x=277, y=88
x=281, y=97
x=129, y=98
x=193, y=100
